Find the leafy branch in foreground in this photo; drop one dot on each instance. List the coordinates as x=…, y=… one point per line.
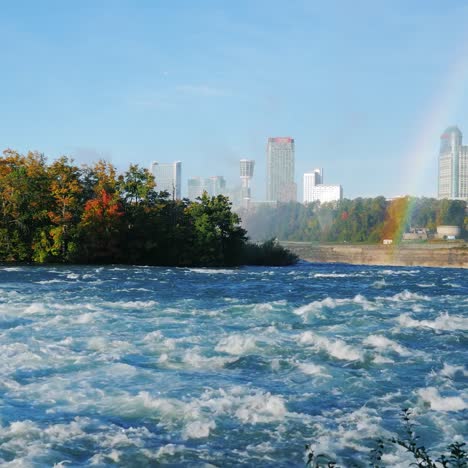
x=457, y=458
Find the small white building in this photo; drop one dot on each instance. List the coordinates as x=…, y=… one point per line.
x=316, y=190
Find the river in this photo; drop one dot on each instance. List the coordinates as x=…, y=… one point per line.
x=140, y=366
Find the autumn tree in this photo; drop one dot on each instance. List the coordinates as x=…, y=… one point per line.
x=100, y=227
x=59, y=241
x=24, y=203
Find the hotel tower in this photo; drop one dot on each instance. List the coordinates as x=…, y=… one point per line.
x=453, y=165
x=280, y=170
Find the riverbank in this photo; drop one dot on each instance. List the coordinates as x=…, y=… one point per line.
x=446, y=254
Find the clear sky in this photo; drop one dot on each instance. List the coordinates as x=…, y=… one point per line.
x=365, y=87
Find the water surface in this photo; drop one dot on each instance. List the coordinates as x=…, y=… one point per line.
x=136, y=366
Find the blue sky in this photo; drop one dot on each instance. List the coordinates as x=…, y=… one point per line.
x=365, y=87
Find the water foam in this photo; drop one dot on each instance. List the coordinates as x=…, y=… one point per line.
x=382, y=342
x=213, y=271
x=35, y=308
x=336, y=275
x=198, y=429
x=444, y=322
x=406, y=296
x=452, y=371
x=438, y=403
x=131, y=304
x=310, y=368
x=236, y=344
x=331, y=303
x=336, y=348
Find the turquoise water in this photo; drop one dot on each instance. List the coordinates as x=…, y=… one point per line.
x=138, y=366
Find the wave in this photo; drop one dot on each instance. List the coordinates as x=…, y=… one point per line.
x=331, y=303
x=444, y=322
x=382, y=342
x=236, y=344
x=35, y=308
x=52, y=281
x=337, y=275
x=439, y=403
x=406, y=296
x=379, y=284
x=198, y=429
x=453, y=371
x=398, y=272
x=249, y=406
x=197, y=361
x=131, y=304
x=213, y=271
x=268, y=306
x=310, y=368
x=336, y=348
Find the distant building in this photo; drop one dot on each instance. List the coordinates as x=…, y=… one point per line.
x=280, y=170
x=168, y=177
x=213, y=186
x=448, y=232
x=316, y=190
x=258, y=204
x=453, y=165
x=246, y=174
x=416, y=233
x=195, y=187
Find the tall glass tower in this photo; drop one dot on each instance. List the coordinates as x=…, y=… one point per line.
x=168, y=178
x=280, y=170
x=246, y=174
x=453, y=165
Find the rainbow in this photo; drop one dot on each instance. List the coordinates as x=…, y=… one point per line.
x=435, y=119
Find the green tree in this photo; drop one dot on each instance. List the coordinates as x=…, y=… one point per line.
x=219, y=238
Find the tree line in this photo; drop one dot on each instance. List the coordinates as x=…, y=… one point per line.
x=60, y=212
x=360, y=220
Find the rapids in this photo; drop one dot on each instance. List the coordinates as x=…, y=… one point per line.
x=141, y=366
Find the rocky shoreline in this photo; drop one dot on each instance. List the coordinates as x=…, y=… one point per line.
x=452, y=255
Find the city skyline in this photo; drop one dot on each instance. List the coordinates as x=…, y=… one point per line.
x=356, y=96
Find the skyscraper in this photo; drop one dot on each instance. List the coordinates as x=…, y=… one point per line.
x=195, y=187
x=213, y=186
x=246, y=174
x=280, y=170
x=453, y=165
x=168, y=177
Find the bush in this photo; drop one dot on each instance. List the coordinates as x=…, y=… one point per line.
x=269, y=253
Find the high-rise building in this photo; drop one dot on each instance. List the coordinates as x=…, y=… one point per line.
x=316, y=190
x=280, y=170
x=246, y=174
x=168, y=178
x=213, y=186
x=453, y=165
x=195, y=187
